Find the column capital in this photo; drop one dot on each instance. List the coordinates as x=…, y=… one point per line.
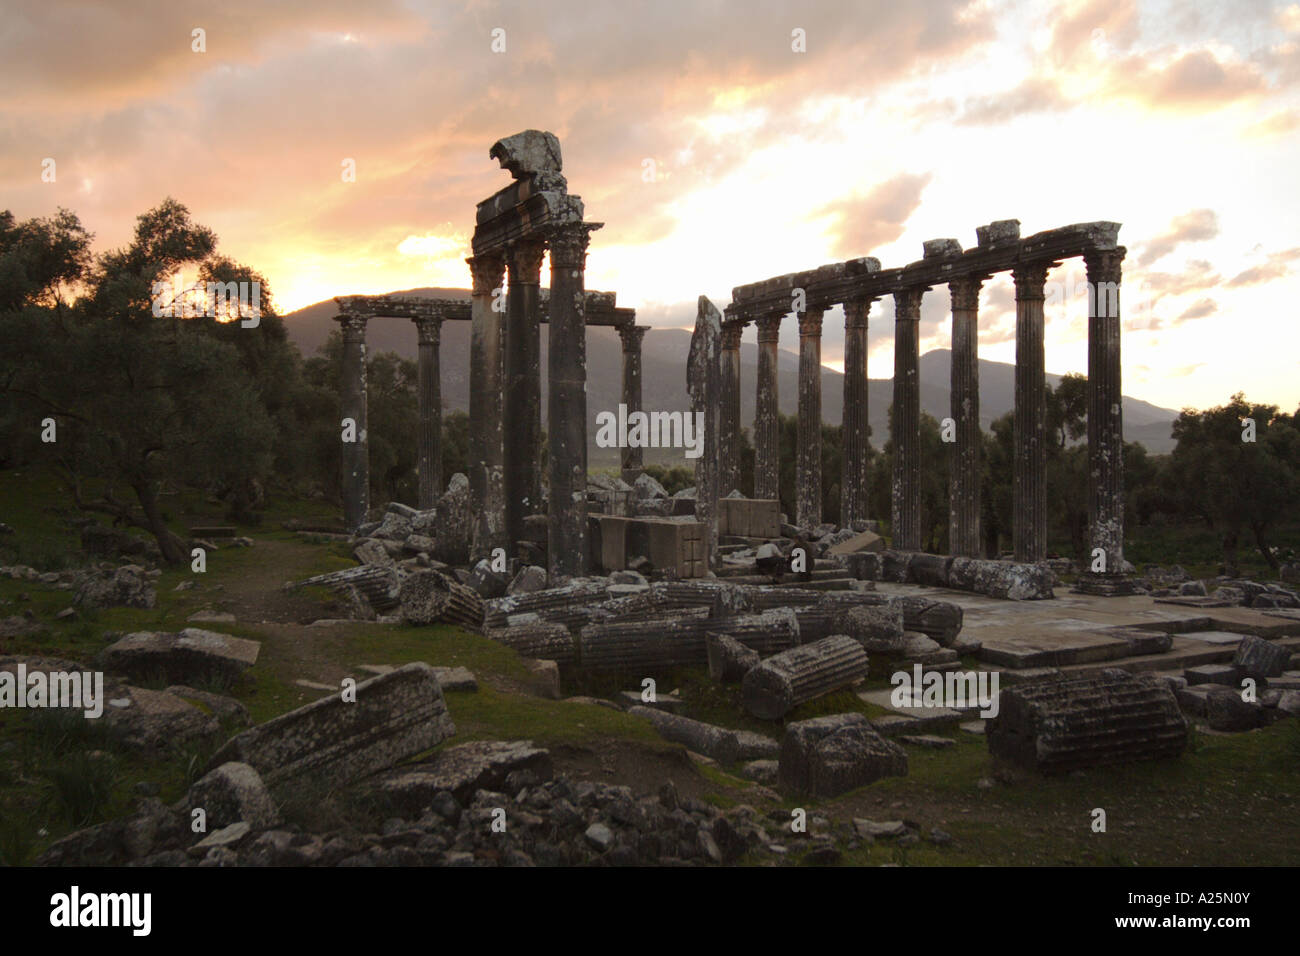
x=487, y=272
x=1030, y=278
x=428, y=328
x=354, y=326
x=524, y=260
x=907, y=304
x=810, y=323
x=856, y=311
x=1104, y=265
x=632, y=336
x=568, y=242
x=965, y=292
x=731, y=332
x=769, y=328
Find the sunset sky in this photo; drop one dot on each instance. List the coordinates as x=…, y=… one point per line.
x=901, y=122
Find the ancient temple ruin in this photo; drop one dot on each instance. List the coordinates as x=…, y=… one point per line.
x=855, y=285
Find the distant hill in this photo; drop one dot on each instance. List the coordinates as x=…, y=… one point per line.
x=664, y=375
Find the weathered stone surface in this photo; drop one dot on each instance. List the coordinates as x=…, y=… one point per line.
x=430, y=597
x=231, y=793
x=877, y=629
x=496, y=613
x=154, y=721
x=865, y=541
x=372, y=551
x=1257, y=657
x=127, y=586
x=220, y=706
x=1115, y=717
x=718, y=743
x=939, y=620
x=330, y=741
x=456, y=678
x=1225, y=674
x=783, y=682
x=453, y=525
x=1226, y=711
x=643, y=646
x=487, y=582
x=931, y=570
x=529, y=580
x=828, y=756
x=647, y=487
x=193, y=654
x=527, y=153
x=462, y=770
x=1001, y=579
x=549, y=641
x=729, y=660
x=376, y=587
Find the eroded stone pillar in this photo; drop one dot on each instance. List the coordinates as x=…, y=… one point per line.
x=703, y=383
x=1105, y=410
x=356, y=453
x=767, y=416
x=855, y=443
x=567, y=402
x=905, y=424
x=486, y=380
x=523, y=386
x=808, y=464
x=429, y=429
x=1029, y=476
x=631, y=336
x=729, y=427
x=964, y=453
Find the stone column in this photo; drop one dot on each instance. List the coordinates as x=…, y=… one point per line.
x=1105, y=410
x=905, y=424
x=729, y=427
x=767, y=417
x=964, y=453
x=855, y=444
x=522, y=429
x=703, y=383
x=631, y=335
x=429, y=433
x=356, y=453
x=567, y=403
x=1029, y=477
x=808, y=465
x=486, y=456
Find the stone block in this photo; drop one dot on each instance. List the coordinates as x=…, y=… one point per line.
x=828, y=756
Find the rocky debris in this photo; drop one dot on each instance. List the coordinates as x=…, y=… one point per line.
x=541, y=640
x=1225, y=674
x=828, y=756
x=729, y=660
x=1259, y=658
x=576, y=594
x=232, y=793
x=1061, y=724
x=154, y=722
x=127, y=586
x=781, y=683
x=192, y=654
x=331, y=741
x=376, y=587
x=101, y=541
x=720, y=597
x=453, y=522
x=1226, y=711
x=1289, y=702
x=1001, y=579
x=767, y=597
x=152, y=828
x=529, y=580
x=462, y=770
x=225, y=709
x=671, y=702
x=941, y=621
x=431, y=597
x=487, y=582
x=17, y=625
x=877, y=629
x=372, y=551
x=456, y=678
x=722, y=744
x=855, y=542
x=647, y=487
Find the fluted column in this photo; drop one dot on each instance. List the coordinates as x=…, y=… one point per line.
x=1105, y=408
x=964, y=453
x=429, y=429
x=523, y=386
x=905, y=424
x=855, y=443
x=356, y=453
x=486, y=457
x=808, y=465
x=767, y=416
x=567, y=402
x=1029, y=478
x=729, y=427
x=631, y=336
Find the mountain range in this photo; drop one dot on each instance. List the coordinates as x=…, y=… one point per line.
x=663, y=359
